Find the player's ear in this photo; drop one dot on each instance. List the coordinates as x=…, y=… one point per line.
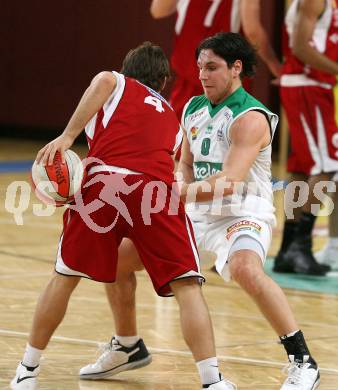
x=237, y=68
x=163, y=84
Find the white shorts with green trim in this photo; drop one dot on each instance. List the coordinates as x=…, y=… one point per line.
x=225, y=236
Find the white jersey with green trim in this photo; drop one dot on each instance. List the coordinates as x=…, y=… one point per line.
x=207, y=128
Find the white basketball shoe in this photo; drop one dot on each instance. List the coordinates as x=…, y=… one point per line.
x=328, y=255
x=221, y=385
x=301, y=376
x=25, y=378
x=116, y=358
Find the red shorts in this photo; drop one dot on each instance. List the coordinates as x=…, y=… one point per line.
x=119, y=206
x=313, y=130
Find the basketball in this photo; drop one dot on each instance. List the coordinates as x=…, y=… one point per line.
x=58, y=183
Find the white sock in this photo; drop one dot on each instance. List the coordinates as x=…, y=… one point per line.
x=208, y=370
x=289, y=334
x=32, y=356
x=127, y=341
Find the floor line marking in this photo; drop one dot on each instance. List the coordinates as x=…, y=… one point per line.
x=168, y=351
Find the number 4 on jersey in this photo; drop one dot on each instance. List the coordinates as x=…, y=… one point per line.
x=153, y=101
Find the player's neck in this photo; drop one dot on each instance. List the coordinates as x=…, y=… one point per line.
x=234, y=87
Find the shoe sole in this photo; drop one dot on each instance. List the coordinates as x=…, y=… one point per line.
x=316, y=385
x=125, y=367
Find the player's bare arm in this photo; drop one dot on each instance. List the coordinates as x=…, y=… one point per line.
x=249, y=134
x=162, y=8
x=185, y=167
x=92, y=100
x=250, y=12
x=308, y=13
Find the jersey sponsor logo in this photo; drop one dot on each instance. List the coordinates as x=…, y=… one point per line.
x=227, y=114
x=220, y=135
x=194, y=132
x=243, y=226
x=209, y=130
x=196, y=115
x=204, y=169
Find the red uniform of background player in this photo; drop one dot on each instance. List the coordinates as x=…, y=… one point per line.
x=308, y=77
x=198, y=19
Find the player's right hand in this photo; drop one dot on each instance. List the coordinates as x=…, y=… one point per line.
x=60, y=144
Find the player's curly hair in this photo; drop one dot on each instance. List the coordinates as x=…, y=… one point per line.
x=231, y=47
x=148, y=64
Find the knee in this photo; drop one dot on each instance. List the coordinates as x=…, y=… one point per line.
x=248, y=274
x=63, y=282
x=183, y=288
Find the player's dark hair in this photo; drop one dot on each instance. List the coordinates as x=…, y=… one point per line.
x=231, y=47
x=148, y=64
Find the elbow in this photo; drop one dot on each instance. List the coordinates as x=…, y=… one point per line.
x=155, y=14
x=158, y=11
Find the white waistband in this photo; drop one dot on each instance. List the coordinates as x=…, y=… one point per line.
x=112, y=168
x=301, y=80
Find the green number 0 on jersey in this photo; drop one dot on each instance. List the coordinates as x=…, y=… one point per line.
x=205, y=147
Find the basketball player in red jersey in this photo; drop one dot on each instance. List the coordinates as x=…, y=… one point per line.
x=198, y=19
x=308, y=77
x=133, y=132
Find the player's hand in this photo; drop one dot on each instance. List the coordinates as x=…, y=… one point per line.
x=183, y=192
x=60, y=144
x=275, y=82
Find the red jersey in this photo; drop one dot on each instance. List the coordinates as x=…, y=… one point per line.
x=324, y=39
x=196, y=20
x=136, y=129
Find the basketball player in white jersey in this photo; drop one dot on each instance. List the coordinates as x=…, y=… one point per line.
x=226, y=155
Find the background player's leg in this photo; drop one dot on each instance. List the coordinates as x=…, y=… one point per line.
x=312, y=200
x=121, y=294
x=329, y=254
x=297, y=256
x=289, y=228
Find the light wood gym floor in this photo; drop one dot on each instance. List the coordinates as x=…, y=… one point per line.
x=247, y=348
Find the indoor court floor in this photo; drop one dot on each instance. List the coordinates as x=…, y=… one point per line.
x=248, y=350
